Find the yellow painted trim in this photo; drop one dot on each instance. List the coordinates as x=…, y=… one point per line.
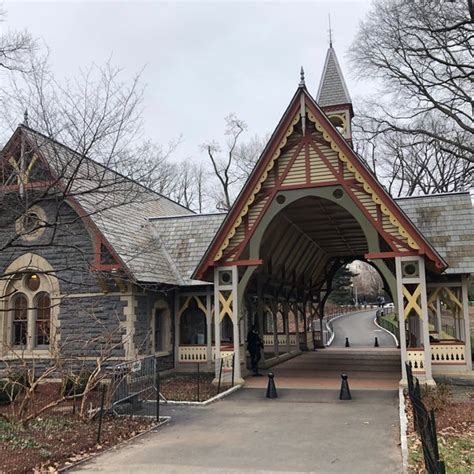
x=226, y=302
x=412, y=302
x=257, y=188
x=367, y=188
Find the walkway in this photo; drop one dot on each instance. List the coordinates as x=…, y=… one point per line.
x=302, y=431
x=361, y=331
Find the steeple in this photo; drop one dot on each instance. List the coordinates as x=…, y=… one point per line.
x=333, y=96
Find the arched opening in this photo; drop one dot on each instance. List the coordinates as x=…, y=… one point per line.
x=303, y=246
x=192, y=325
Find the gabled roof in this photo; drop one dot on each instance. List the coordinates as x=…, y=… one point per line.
x=186, y=239
x=302, y=101
x=332, y=87
x=117, y=206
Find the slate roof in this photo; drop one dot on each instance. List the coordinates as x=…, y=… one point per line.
x=186, y=239
x=447, y=221
x=118, y=206
x=332, y=88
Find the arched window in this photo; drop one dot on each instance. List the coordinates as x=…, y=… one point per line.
x=30, y=307
x=19, y=320
x=42, y=320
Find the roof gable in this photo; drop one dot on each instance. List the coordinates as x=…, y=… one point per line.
x=307, y=151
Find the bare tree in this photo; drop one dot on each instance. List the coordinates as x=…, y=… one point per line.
x=232, y=165
x=224, y=167
x=15, y=48
x=411, y=164
x=421, y=54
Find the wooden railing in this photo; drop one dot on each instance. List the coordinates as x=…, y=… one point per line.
x=448, y=352
x=268, y=340
x=416, y=360
x=192, y=353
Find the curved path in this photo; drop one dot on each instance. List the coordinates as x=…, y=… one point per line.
x=361, y=331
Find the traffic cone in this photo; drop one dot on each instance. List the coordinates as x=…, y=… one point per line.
x=376, y=342
x=271, y=389
x=345, y=393
x=347, y=342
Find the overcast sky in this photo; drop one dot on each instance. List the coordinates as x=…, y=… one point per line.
x=202, y=60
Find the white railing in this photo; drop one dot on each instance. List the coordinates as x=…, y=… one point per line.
x=416, y=359
x=192, y=354
x=268, y=340
x=448, y=353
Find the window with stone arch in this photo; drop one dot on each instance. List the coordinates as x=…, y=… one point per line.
x=29, y=303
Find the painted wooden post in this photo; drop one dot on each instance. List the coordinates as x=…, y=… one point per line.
x=467, y=322
x=297, y=329
x=401, y=318
x=439, y=324
x=287, y=326
x=274, y=307
x=236, y=323
x=217, y=317
x=209, y=327
x=260, y=312
x=425, y=329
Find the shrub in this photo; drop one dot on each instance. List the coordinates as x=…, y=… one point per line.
x=75, y=384
x=11, y=387
x=437, y=397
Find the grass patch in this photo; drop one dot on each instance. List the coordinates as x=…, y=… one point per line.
x=456, y=450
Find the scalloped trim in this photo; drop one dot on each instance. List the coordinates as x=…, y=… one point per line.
x=367, y=188
x=257, y=188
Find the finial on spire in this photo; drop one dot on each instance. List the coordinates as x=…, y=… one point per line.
x=302, y=83
x=25, y=118
x=330, y=31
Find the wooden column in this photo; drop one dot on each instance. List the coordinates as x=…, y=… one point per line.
x=286, y=324
x=467, y=322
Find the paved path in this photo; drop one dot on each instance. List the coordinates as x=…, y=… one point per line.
x=301, y=431
x=361, y=331
x=368, y=368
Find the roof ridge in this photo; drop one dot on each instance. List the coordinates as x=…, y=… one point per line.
x=449, y=193
x=107, y=168
x=174, y=268
x=192, y=216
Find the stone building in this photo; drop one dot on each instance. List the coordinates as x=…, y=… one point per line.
x=94, y=263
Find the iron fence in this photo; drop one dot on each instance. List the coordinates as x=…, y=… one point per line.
x=425, y=425
x=388, y=325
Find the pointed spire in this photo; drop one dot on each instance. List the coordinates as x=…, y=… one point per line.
x=302, y=82
x=332, y=88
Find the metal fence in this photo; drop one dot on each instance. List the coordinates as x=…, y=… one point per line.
x=425, y=425
x=130, y=380
x=388, y=325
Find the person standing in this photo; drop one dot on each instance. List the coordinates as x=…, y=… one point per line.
x=254, y=346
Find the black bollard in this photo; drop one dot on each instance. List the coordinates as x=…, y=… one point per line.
x=271, y=389
x=347, y=342
x=345, y=393
x=376, y=342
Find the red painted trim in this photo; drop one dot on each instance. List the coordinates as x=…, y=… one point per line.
x=344, y=146
x=281, y=129
x=74, y=203
x=308, y=163
x=241, y=263
x=373, y=255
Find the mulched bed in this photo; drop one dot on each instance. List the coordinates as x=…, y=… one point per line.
x=184, y=387
x=58, y=437
x=455, y=429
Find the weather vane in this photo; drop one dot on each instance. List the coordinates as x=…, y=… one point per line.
x=330, y=31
